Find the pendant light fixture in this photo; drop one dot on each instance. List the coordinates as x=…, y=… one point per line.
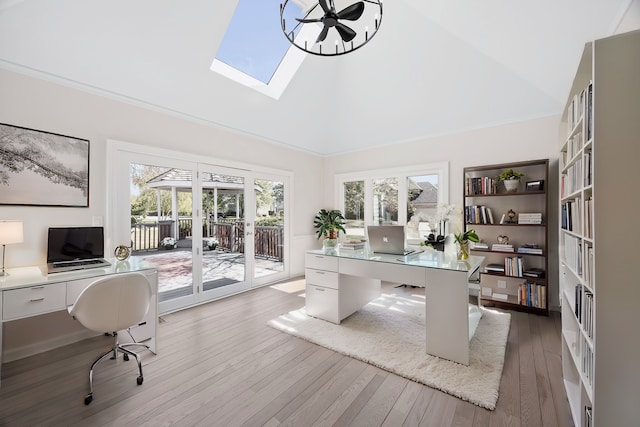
x=331, y=27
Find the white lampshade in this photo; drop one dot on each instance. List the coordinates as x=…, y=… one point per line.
x=10, y=232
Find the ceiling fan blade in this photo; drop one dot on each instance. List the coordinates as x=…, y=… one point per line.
x=307, y=21
x=324, y=6
x=352, y=12
x=323, y=34
x=346, y=33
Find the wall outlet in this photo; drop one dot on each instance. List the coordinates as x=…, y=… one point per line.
x=96, y=221
x=502, y=284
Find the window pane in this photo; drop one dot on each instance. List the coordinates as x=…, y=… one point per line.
x=422, y=205
x=354, y=207
x=385, y=201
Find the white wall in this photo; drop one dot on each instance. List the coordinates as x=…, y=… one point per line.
x=631, y=19
x=42, y=105
x=529, y=140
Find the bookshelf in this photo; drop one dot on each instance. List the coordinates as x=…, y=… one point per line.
x=598, y=197
x=513, y=229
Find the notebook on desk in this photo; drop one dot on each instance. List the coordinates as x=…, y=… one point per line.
x=75, y=248
x=387, y=239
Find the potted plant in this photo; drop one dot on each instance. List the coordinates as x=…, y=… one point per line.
x=463, y=239
x=510, y=178
x=168, y=243
x=328, y=223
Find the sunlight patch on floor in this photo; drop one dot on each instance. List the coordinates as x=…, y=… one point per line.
x=291, y=286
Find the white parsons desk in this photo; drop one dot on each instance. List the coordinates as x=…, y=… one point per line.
x=340, y=282
x=30, y=291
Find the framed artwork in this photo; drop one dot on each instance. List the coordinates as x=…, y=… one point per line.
x=40, y=168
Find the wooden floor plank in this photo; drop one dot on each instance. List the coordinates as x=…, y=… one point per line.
x=402, y=406
x=374, y=412
x=220, y=363
x=548, y=415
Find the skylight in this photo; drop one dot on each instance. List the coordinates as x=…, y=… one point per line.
x=254, y=51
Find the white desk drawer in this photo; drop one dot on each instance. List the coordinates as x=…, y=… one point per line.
x=75, y=288
x=322, y=303
x=328, y=279
x=35, y=300
x=321, y=262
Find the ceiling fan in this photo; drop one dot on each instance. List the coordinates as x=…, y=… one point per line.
x=331, y=18
x=365, y=17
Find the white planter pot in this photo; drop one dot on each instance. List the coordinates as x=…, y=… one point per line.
x=511, y=184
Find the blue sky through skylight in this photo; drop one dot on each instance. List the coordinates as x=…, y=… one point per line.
x=254, y=42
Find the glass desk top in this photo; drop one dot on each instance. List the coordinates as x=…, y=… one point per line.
x=428, y=258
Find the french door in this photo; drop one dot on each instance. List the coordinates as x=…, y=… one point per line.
x=211, y=230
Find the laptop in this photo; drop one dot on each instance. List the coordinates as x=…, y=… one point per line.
x=75, y=248
x=387, y=239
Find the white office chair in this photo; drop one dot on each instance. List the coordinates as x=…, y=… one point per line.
x=111, y=304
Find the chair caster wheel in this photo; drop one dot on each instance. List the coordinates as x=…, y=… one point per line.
x=125, y=357
x=140, y=379
x=88, y=399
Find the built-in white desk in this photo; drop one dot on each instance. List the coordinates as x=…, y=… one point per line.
x=340, y=282
x=30, y=291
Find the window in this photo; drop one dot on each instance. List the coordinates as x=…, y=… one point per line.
x=376, y=197
x=254, y=52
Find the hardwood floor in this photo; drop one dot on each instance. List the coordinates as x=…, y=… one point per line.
x=221, y=365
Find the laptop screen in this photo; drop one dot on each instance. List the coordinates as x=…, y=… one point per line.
x=74, y=243
x=386, y=239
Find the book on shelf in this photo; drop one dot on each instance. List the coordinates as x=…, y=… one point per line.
x=588, y=416
x=513, y=266
x=530, y=248
x=538, y=273
x=578, y=302
x=478, y=214
x=588, y=313
x=502, y=247
x=532, y=295
x=480, y=186
x=589, y=111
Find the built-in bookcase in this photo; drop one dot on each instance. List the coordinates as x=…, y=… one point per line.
x=598, y=202
x=513, y=228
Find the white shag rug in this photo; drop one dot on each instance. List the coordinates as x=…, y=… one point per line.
x=389, y=332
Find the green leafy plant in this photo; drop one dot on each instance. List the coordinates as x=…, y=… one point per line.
x=508, y=174
x=469, y=235
x=328, y=223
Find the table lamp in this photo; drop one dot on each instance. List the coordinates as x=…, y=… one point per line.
x=10, y=232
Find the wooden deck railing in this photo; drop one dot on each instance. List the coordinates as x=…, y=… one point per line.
x=268, y=240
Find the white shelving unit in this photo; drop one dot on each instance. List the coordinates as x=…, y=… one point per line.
x=599, y=199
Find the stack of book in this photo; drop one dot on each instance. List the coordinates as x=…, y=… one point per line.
x=530, y=218
x=494, y=268
x=533, y=272
x=530, y=248
x=352, y=245
x=502, y=247
x=478, y=245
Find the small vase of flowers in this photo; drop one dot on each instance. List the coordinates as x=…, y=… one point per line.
x=462, y=241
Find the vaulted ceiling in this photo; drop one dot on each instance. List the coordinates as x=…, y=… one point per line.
x=435, y=67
